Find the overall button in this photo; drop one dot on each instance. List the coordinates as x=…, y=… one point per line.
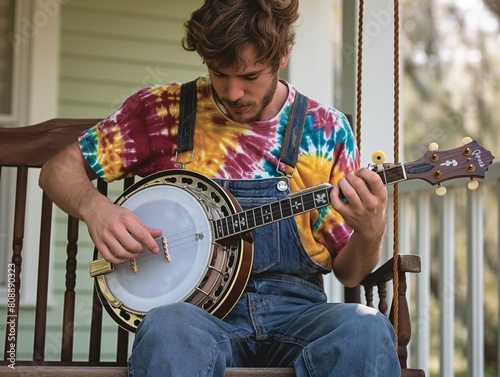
x=282, y=186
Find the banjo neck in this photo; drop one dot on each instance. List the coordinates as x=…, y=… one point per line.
x=471, y=161
x=295, y=204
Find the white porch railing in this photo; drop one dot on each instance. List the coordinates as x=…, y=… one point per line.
x=451, y=232
x=452, y=235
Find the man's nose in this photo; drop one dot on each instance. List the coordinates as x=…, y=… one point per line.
x=235, y=89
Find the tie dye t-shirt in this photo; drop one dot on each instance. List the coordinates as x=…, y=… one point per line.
x=140, y=138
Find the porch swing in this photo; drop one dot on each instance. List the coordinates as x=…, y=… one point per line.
x=30, y=147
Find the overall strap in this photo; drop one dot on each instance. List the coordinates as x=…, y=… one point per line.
x=293, y=132
x=291, y=140
x=187, y=115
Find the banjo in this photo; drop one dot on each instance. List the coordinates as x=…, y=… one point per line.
x=206, y=248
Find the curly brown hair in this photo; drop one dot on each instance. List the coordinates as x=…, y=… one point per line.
x=221, y=29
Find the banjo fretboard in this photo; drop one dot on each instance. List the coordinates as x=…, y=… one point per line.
x=295, y=204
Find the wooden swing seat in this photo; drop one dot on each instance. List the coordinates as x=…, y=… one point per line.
x=30, y=147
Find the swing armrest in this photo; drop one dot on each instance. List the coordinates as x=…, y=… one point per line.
x=385, y=273
x=401, y=321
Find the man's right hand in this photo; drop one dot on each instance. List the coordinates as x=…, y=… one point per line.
x=119, y=234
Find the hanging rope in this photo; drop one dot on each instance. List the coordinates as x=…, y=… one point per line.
x=396, y=143
x=395, y=267
x=359, y=74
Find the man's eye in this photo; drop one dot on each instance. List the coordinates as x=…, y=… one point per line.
x=251, y=78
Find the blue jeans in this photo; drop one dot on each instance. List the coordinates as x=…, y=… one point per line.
x=281, y=320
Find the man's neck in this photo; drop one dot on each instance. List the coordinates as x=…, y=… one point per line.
x=277, y=103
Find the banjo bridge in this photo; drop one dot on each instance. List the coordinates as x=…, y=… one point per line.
x=165, y=249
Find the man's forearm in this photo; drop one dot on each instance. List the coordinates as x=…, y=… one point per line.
x=357, y=260
x=65, y=179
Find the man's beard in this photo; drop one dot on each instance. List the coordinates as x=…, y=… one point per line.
x=242, y=118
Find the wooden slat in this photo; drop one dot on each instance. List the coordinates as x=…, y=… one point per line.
x=62, y=371
x=382, y=294
x=97, y=308
x=122, y=347
x=95, y=329
x=42, y=280
x=17, y=246
x=404, y=327
x=123, y=335
x=369, y=296
x=352, y=294
x=275, y=372
x=69, y=294
x=25, y=371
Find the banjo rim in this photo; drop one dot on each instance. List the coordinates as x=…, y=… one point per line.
x=129, y=318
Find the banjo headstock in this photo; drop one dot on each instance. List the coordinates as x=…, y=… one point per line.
x=471, y=160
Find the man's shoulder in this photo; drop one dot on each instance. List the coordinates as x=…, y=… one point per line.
x=168, y=92
x=314, y=105
x=159, y=91
x=325, y=113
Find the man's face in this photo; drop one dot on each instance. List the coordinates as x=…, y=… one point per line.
x=246, y=92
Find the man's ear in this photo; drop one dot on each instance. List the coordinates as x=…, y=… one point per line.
x=284, y=61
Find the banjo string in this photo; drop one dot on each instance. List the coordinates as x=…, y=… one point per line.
x=177, y=244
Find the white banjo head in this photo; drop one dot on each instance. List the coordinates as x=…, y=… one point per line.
x=185, y=225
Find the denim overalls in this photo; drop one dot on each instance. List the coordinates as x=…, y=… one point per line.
x=282, y=318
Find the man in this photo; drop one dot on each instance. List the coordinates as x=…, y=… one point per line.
x=242, y=111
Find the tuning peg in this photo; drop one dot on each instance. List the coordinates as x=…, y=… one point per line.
x=466, y=140
x=378, y=157
x=472, y=184
x=441, y=190
x=433, y=147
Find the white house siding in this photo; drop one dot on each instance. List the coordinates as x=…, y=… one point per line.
x=110, y=49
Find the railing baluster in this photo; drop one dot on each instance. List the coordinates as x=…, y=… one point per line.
x=498, y=268
x=422, y=317
x=475, y=296
x=447, y=284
